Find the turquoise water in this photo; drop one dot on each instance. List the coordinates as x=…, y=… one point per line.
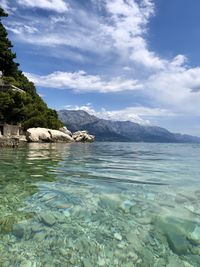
x=100, y=204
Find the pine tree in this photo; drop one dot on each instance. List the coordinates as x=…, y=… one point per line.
x=7, y=64
x=27, y=108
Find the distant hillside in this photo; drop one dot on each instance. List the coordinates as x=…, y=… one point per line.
x=107, y=130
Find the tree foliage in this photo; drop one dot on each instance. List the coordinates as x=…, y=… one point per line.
x=27, y=108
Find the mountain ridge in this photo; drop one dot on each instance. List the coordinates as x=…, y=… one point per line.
x=127, y=131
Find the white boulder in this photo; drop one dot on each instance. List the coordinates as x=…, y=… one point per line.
x=65, y=130
x=47, y=135
x=83, y=136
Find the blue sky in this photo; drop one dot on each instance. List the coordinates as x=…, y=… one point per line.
x=132, y=60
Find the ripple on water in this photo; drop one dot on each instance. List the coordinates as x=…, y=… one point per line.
x=100, y=204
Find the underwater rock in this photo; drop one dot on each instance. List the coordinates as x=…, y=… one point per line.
x=19, y=230
x=87, y=263
x=27, y=263
x=150, y=196
x=174, y=262
x=39, y=236
x=37, y=228
x=48, y=219
x=175, y=232
x=194, y=237
x=187, y=264
x=117, y=236
x=127, y=205
x=101, y=262
x=66, y=213
x=177, y=242
x=109, y=201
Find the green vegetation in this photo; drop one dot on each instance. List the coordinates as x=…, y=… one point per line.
x=16, y=107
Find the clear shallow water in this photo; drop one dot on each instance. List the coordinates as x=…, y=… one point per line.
x=100, y=204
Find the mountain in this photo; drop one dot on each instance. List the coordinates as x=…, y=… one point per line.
x=108, y=130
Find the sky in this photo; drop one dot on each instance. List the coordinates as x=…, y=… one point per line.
x=134, y=60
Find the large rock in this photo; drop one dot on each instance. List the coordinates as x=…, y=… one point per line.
x=47, y=135
x=83, y=136
x=176, y=232
x=65, y=130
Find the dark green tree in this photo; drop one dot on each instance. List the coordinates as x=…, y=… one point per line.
x=25, y=107
x=7, y=64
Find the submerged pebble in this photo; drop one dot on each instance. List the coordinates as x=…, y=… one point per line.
x=194, y=237
x=48, y=219
x=101, y=262
x=117, y=236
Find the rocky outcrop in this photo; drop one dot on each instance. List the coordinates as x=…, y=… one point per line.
x=47, y=135
x=82, y=136
x=63, y=135
x=65, y=130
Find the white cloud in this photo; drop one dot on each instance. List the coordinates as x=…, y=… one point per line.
x=175, y=89
x=20, y=28
x=128, y=25
x=5, y=5
x=55, y=5
x=117, y=40
x=81, y=81
x=122, y=30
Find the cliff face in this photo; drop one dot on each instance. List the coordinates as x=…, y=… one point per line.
x=107, y=130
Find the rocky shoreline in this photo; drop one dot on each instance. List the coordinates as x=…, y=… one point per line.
x=44, y=135
x=9, y=142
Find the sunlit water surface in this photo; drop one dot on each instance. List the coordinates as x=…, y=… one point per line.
x=100, y=204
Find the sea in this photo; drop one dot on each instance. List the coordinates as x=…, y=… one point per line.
x=100, y=204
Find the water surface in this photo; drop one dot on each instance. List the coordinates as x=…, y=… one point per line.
x=100, y=204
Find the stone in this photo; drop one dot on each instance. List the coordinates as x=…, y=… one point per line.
x=83, y=136
x=19, y=230
x=6, y=264
x=66, y=213
x=176, y=232
x=36, y=228
x=194, y=237
x=121, y=245
x=129, y=264
x=65, y=130
x=109, y=201
x=87, y=263
x=174, y=262
x=47, y=135
x=101, y=262
x=150, y=196
x=117, y=236
x=127, y=205
x=63, y=252
x=26, y=263
x=60, y=218
x=133, y=256
x=48, y=219
x=187, y=264
x=177, y=242
x=39, y=236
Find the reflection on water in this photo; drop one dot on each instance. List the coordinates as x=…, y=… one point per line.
x=100, y=204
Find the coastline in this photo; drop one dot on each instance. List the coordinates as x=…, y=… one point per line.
x=44, y=135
